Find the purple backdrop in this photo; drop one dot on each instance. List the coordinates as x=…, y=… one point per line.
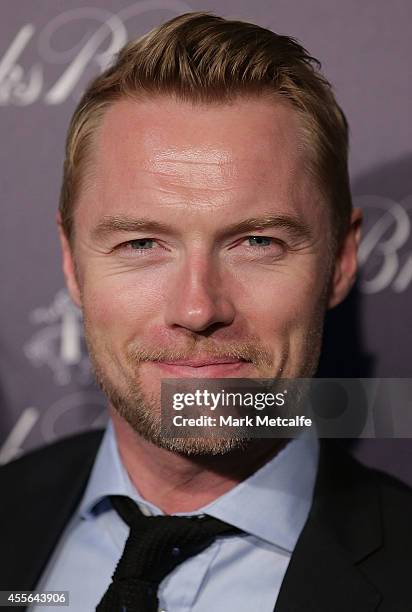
x=49, y=49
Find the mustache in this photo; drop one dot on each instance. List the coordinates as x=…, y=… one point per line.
x=250, y=351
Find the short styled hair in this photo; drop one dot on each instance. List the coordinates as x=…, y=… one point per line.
x=204, y=58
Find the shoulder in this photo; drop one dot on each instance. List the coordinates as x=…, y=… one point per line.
x=390, y=565
x=392, y=491
x=40, y=493
x=395, y=499
x=371, y=511
x=351, y=480
x=44, y=465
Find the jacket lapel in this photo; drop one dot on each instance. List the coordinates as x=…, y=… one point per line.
x=320, y=578
x=44, y=499
x=343, y=528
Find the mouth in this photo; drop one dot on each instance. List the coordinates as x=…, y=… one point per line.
x=208, y=367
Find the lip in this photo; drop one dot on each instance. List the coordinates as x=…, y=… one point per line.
x=203, y=368
x=206, y=361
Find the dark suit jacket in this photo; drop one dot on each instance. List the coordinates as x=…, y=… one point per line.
x=354, y=553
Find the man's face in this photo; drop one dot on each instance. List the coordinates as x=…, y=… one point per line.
x=202, y=249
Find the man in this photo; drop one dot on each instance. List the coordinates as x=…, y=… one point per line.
x=206, y=226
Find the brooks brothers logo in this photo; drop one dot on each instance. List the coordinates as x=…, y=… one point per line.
x=58, y=343
x=95, y=35
x=385, y=254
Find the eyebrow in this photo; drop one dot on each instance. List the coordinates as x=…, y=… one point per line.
x=122, y=224
x=293, y=225
x=116, y=224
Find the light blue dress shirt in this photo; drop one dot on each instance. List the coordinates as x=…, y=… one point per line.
x=236, y=573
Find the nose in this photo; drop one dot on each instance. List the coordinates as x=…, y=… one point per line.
x=198, y=298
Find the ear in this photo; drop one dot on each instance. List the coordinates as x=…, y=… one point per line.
x=346, y=261
x=69, y=268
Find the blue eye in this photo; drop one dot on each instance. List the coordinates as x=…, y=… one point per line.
x=141, y=243
x=260, y=241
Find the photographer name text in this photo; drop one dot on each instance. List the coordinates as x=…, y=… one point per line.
x=257, y=420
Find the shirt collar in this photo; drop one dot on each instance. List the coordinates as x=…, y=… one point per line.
x=108, y=477
x=272, y=504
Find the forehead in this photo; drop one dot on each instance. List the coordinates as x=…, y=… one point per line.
x=244, y=130
x=163, y=150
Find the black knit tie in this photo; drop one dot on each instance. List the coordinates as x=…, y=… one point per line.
x=155, y=546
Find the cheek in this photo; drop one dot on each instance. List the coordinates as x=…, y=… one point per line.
x=286, y=300
x=121, y=304
x=289, y=319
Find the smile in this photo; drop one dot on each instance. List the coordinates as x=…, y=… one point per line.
x=204, y=367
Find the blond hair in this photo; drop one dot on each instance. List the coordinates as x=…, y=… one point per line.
x=204, y=58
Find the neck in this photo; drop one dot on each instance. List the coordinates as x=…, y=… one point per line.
x=178, y=483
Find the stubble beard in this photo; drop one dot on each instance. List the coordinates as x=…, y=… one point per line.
x=142, y=411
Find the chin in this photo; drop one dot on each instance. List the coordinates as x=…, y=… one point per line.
x=198, y=447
